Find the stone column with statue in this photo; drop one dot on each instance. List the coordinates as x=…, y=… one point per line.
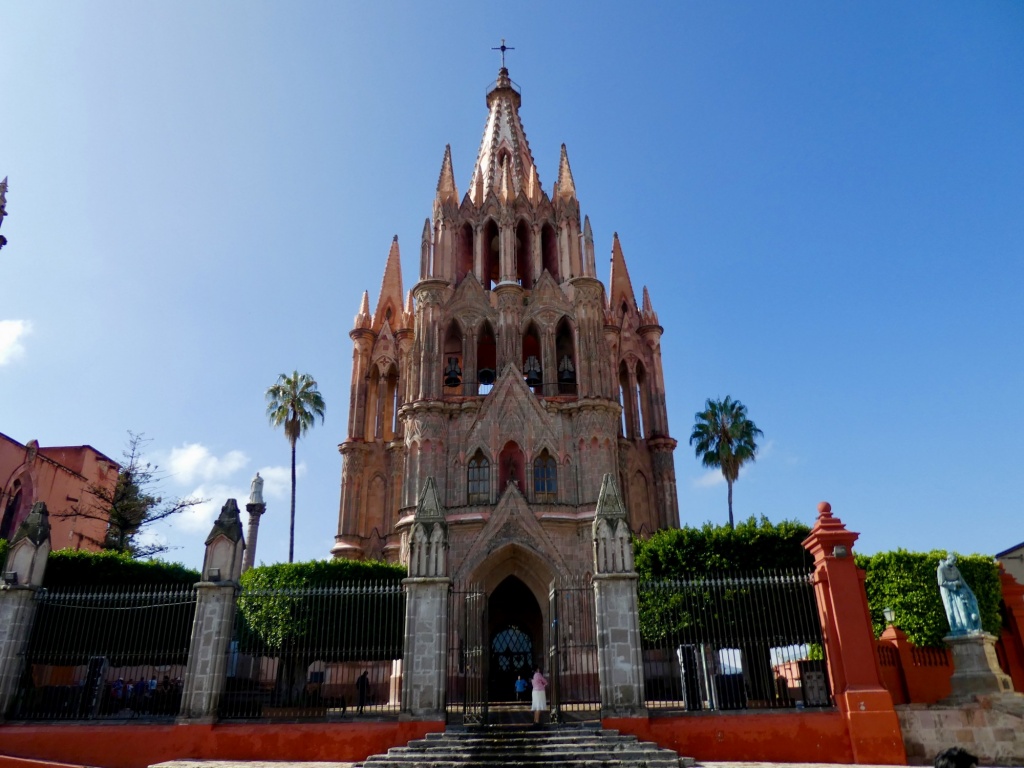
x=975, y=664
x=256, y=508
x=214, y=621
x=22, y=578
x=620, y=661
x=426, y=609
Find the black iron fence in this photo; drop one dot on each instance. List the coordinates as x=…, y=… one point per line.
x=733, y=642
x=316, y=653
x=466, y=695
x=106, y=653
x=575, y=689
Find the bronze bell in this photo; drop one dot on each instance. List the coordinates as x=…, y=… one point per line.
x=566, y=371
x=532, y=371
x=485, y=376
x=452, y=374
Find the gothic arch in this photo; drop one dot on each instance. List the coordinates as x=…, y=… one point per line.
x=491, y=247
x=524, y=253
x=549, y=251
x=464, y=252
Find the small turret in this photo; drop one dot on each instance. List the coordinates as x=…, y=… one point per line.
x=425, y=265
x=647, y=315
x=389, y=304
x=446, y=189
x=620, y=289
x=363, y=319
x=589, y=265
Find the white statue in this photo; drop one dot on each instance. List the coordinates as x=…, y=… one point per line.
x=256, y=490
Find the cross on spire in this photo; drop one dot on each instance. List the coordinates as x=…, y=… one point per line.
x=503, y=48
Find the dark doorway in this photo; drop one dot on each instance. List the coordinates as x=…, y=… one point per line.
x=515, y=632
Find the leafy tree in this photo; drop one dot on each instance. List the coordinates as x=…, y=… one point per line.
x=132, y=506
x=294, y=403
x=905, y=581
x=324, y=610
x=724, y=437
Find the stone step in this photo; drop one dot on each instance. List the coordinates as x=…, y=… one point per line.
x=588, y=746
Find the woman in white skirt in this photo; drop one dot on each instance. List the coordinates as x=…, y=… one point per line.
x=540, y=697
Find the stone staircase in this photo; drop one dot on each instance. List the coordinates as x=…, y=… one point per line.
x=586, y=746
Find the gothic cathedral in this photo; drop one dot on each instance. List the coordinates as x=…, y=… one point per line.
x=507, y=383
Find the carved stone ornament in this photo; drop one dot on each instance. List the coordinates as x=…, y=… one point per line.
x=30, y=547
x=613, y=550
x=225, y=546
x=428, y=539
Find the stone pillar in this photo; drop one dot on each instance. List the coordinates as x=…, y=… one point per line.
x=22, y=577
x=426, y=610
x=255, y=511
x=215, y=617
x=619, y=662
x=975, y=668
x=850, y=645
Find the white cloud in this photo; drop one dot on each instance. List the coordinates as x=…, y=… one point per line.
x=709, y=479
x=199, y=519
x=11, y=334
x=193, y=461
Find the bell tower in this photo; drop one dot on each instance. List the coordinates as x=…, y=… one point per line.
x=509, y=378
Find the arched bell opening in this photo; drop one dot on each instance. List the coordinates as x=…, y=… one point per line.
x=492, y=252
x=486, y=359
x=524, y=255
x=373, y=417
x=452, y=373
x=532, y=371
x=389, y=404
x=565, y=355
x=515, y=628
x=627, y=400
x=643, y=407
x=463, y=252
x=549, y=251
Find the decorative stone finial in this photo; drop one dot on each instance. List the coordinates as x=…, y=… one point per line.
x=225, y=546
x=30, y=547
x=824, y=509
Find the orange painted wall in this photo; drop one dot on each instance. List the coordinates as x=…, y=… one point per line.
x=784, y=737
x=138, y=746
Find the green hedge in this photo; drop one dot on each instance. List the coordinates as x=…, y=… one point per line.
x=906, y=582
x=3, y=552
x=78, y=568
x=754, y=544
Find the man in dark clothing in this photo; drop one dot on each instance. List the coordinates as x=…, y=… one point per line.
x=362, y=688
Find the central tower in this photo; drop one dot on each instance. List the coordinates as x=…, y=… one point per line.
x=509, y=376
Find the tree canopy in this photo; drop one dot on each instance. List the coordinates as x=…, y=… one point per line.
x=724, y=438
x=132, y=506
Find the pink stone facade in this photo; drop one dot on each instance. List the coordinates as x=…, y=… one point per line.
x=58, y=476
x=510, y=374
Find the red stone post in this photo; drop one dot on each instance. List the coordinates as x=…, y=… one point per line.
x=850, y=646
x=1013, y=636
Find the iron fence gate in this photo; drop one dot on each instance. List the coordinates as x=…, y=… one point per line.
x=466, y=699
x=572, y=655
x=106, y=653
x=733, y=641
x=316, y=653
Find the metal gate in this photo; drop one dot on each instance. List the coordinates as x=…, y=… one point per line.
x=468, y=655
x=572, y=655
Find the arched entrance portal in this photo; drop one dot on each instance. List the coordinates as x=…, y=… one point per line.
x=516, y=638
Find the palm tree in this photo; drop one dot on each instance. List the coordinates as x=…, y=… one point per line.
x=294, y=402
x=724, y=437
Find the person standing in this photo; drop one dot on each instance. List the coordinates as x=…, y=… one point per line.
x=521, y=686
x=540, y=697
x=362, y=688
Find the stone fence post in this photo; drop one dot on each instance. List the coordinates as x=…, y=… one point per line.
x=22, y=578
x=214, y=621
x=620, y=660
x=426, y=610
x=850, y=647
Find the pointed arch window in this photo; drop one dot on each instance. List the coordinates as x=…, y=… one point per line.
x=478, y=479
x=545, y=478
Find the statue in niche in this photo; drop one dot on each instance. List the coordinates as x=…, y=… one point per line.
x=957, y=598
x=418, y=552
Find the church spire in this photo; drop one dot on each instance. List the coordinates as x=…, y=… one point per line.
x=589, y=266
x=504, y=140
x=389, y=304
x=447, y=192
x=565, y=187
x=363, y=319
x=620, y=289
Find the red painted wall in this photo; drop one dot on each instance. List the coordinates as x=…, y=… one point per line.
x=137, y=746
x=783, y=737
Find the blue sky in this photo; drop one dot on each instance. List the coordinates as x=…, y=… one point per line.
x=826, y=200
